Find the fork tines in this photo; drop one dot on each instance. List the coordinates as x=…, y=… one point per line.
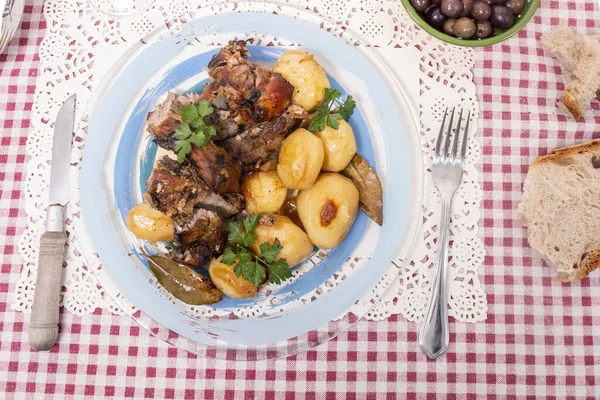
x=445, y=135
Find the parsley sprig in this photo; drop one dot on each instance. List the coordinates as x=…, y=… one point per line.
x=326, y=116
x=253, y=267
x=193, y=130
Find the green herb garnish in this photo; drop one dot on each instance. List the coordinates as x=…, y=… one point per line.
x=326, y=117
x=193, y=130
x=252, y=267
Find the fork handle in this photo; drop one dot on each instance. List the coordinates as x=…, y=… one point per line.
x=434, y=335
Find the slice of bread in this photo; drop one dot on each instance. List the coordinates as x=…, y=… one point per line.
x=565, y=45
x=579, y=57
x=561, y=209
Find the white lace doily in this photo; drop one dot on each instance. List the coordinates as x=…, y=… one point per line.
x=80, y=46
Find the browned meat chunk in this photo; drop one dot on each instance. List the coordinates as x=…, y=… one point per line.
x=219, y=170
x=257, y=144
x=196, y=211
x=275, y=95
x=195, y=255
x=217, y=167
x=233, y=54
x=203, y=224
x=165, y=118
x=235, y=199
x=253, y=94
x=177, y=188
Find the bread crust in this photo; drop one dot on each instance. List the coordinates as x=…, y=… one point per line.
x=590, y=262
x=562, y=152
x=571, y=105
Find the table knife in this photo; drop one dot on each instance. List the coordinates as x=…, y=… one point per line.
x=43, y=324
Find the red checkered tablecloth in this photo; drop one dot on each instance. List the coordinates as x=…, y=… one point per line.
x=541, y=338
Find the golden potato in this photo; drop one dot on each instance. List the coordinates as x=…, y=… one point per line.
x=225, y=279
x=264, y=192
x=300, y=159
x=339, y=146
x=306, y=75
x=149, y=224
x=327, y=210
x=297, y=247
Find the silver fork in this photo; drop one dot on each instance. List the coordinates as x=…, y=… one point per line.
x=447, y=172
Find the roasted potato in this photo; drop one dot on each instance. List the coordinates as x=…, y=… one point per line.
x=300, y=159
x=339, y=146
x=297, y=247
x=327, y=210
x=225, y=279
x=264, y=192
x=149, y=224
x=306, y=75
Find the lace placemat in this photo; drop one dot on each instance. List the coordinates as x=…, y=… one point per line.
x=80, y=46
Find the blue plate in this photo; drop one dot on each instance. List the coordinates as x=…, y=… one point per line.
x=124, y=185
x=113, y=176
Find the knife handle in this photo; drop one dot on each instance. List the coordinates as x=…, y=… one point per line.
x=43, y=325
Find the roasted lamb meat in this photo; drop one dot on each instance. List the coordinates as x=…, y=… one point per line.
x=217, y=168
x=257, y=144
x=165, y=118
x=195, y=255
x=197, y=212
x=176, y=187
x=204, y=224
x=247, y=92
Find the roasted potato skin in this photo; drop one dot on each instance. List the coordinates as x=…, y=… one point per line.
x=300, y=159
x=328, y=209
x=224, y=278
x=297, y=246
x=149, y=224
x=264, y=193
x=339, y=146
x=306, y=75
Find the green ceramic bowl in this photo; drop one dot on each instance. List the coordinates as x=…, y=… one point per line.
x=520, y=21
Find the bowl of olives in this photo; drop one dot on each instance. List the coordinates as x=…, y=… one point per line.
x=471, y=22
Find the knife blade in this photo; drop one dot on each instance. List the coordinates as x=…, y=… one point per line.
x=43, y=324
x=61, y=153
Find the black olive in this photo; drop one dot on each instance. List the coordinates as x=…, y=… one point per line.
x=467, y=4
x=481, y=11
x=449, y=26
x=435, y=18
x=502, y=17
x=483, y=29
x=464, y=28
x=451, y=8
x=516, y=6
x=420, y=5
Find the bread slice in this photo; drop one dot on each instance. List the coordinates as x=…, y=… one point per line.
x=579, y=57
x=565, y=45
x=561, y=209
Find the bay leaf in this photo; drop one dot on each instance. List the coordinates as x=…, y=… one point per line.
x=183, y=282
x=369, y=187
